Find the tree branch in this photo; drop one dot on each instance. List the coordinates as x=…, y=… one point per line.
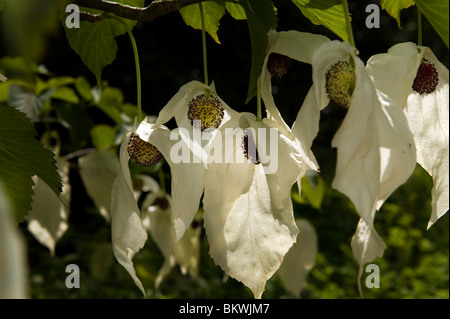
x=155, y=9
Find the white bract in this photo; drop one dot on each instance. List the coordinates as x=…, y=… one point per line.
x=128, y=234
x=48, y=218
x=156, y=218
x=300, y=259
x=419, y=89
x=98, y=172
x=196, y=107
x=248, y=215
x=299, y=46
x=13, y=257
x=375, y=149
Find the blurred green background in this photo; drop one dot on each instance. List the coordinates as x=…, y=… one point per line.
x=416, y=261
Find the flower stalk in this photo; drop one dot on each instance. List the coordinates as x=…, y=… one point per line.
x=136, y=62
x=419, y=27
x=351, y=40
x=205, y=60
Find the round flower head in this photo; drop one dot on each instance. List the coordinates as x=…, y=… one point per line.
x=196, y=108
x=205, y=112
x=141, y=152
x=340, y=83
x=278, y=64
x=427, y=78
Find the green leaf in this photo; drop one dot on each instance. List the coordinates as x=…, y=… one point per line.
x=102, y=136
x=110, y=103
x=329, y=13
x=313, y=191
x=95, y=43
x=84, y=88
x=393, y=7
x=236, y=10
x=66, y=94
x=22, y=156
x=259, y=41
x=266, y=12
x=18, y=186
x=213, y=12
x=436, y=12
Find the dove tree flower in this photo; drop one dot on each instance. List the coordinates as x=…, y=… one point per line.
x=197, y=109
x=248, y=215
x=375, y=148
x=146, y=146
x=413, y=78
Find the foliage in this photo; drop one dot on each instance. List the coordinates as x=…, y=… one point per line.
x=91, y=118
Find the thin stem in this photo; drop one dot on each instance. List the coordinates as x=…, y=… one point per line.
x=258, y=100
x=162, y=179
x=136, y=62
x=351, y=40
x=419, y=27
x=205, y=59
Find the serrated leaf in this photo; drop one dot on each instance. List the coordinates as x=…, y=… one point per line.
x=329, y=13
x=213, y=12
x=17, y=184
x=19, y=148
x=95, y=42
x=436, y=12
x=393, y=7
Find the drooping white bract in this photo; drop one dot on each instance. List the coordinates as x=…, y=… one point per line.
x=157, y=220
x=375, y=149
x=299, y=46
x=3, y=78
x=414, y=78
x=128, y=234
x=248, y=214
x=98, y=171
x=13, y=257
x=198, y=111
x=300, y=259
x=49, y=214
